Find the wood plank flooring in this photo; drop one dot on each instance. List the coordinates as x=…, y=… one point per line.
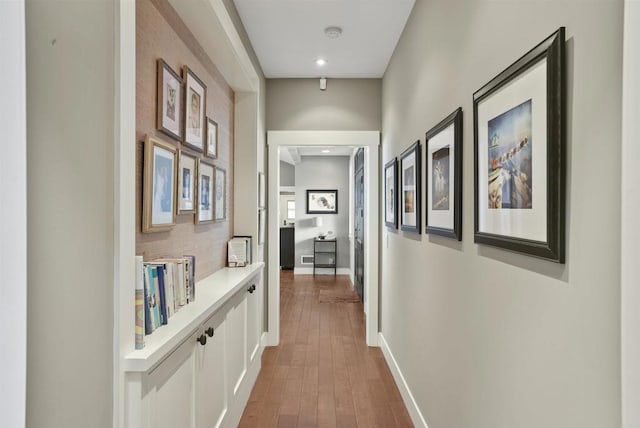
x=322, y=374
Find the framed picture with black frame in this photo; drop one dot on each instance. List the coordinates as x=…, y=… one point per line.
x=391, y=193
x=410, y=178
x=443, y=177
x=520, y=154
x=322, y=201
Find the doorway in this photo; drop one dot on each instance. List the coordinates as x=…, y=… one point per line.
x=369, y=140
x=358, y=223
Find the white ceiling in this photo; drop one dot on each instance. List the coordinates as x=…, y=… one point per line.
x=288, y=35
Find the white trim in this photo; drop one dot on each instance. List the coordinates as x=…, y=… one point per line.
x=630, y=229
x=321, y=271
x=412, y=407
x=370, y=140
x=211, y=24
x=13, y=215
x=124, y=198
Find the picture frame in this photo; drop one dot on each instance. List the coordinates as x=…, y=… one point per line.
x=221, y=194
x=195, y=101
x=169, y=100
x=520, y=154
x=409, y=185
x=391, y=193
x=443, y=177
x=211, y=149
x=322, y=201
x=204, y=197
x=187, y=182
x=158, y=192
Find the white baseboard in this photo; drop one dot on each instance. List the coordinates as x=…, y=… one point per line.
x=322, y=271
x=405, y=392
x=237, y=406
x=268, y=339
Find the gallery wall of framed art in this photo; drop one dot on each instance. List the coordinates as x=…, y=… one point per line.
x=183, y=101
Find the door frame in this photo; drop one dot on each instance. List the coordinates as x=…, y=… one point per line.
x=13, y=214
x=370, y=140
x=630, y=229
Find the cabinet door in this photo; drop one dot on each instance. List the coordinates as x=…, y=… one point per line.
x=169, y=402
x=235, y=340
x=211, y=391
x=254, y=318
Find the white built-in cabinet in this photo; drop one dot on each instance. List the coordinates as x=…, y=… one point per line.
x=199, y=371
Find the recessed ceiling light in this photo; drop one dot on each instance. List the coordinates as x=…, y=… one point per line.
x=320, y=62
x=333, y=32
x=326, y=151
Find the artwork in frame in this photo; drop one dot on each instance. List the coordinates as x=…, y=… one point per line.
x=158, y=203
x=195, y=94
x=391, y=193
x=187, y=176
x=322, y=201
x=169, y=100
x=443, y=173
x=410, y=178
x=206, y=183
x=212, y=139
x=519, y=151
x=221, y=194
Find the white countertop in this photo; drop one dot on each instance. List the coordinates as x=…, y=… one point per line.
x=211, y=294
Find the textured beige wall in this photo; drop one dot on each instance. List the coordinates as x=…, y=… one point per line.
x=70, y=140
x=347, y=104
x=161, y=34
x=487, y=338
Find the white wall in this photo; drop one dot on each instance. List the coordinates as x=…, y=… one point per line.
x=486, y=338
x=13, y=215
x=70, y=110
x=322, y=172
x=630, y=226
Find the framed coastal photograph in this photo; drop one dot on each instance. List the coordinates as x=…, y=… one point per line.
x=212, y=139
x=391, y=193
x=519, y=151
x=158, y=194
x=187, y=175
x=410, y=179
x=206, y=183
x=443, y=177
x=169, y=100
x=221, y=194
x=322, y=202
x=195, y=94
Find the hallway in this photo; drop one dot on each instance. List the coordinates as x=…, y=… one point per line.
x=323, y=374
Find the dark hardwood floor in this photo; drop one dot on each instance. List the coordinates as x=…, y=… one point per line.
x=322, y=374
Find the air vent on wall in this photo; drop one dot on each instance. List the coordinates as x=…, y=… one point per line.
x=306, y=260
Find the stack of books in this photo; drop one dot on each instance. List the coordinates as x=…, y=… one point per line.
x=163, y=286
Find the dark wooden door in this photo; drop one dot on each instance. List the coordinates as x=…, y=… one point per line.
x=358, y=223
